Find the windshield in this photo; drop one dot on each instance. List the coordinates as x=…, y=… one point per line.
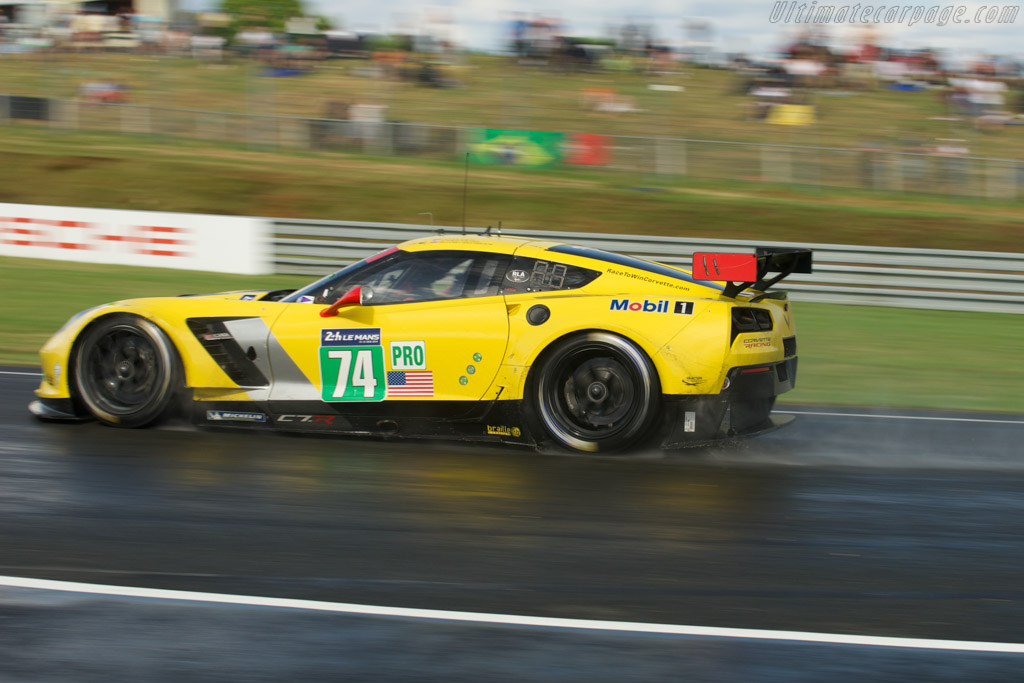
x=310, y=292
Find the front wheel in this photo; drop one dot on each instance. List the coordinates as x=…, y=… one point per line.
x=596, y=392
x=126, y=371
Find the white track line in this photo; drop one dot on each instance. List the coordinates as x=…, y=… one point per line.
x=511, y=619
x=904, y=417
x=22, y=374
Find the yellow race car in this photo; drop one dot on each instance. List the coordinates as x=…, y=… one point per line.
x=472, y=337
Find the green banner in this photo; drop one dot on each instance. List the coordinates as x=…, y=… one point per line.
x=515, y=147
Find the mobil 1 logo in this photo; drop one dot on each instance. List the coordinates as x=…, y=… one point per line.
x=352, y=365
x=655, y=306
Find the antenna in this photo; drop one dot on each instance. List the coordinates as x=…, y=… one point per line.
x=499, y=228
x=487, y=232
x=465, y=187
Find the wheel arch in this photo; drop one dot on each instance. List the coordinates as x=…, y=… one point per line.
x=531, y=387
x=544, y=351
x=82, y=334
x=179, y=341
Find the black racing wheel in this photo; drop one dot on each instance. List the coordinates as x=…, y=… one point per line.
x=595, y=392
x=126, y=371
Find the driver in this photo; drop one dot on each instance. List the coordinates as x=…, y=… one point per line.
x=419, y=283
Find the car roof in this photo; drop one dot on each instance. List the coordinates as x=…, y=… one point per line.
x=540, y=248
x=587, y=257
x=497, y=244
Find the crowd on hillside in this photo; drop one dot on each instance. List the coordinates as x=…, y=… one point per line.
x=988, y=91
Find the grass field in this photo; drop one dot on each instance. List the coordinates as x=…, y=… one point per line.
x=498, y=93
x=42, y=294
x=104, y=170
x=849, y=355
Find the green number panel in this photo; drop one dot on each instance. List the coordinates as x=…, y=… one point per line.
x=352, y=373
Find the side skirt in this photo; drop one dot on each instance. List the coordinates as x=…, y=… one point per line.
x=495, y=422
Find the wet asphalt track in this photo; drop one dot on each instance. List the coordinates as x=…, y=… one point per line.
x=839, y=524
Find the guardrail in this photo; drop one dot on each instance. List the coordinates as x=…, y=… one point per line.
x=872, y=276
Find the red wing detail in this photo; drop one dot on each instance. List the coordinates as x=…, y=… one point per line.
x=725, y=267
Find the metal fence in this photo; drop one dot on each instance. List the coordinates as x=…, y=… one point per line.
x=872, y=276
x=869, y=169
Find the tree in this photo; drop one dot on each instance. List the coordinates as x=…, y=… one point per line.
x=270, y=14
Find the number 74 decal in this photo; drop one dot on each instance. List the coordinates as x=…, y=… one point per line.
x=352, y=373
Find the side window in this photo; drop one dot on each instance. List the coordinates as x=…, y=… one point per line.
x=430, y=277
x=536, y=275
x=488, y=278
x=421, y=276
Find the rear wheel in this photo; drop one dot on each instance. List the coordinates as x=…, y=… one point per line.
x=127, y=371
x=596, y=392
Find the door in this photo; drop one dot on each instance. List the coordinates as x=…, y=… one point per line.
x=435, y=330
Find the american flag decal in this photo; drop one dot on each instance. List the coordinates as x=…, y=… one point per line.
x=410, y=383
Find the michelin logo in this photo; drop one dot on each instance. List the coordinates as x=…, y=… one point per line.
x=648, y=306
x=231, y=416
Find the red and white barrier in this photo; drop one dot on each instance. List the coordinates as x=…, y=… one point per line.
x=225, y=244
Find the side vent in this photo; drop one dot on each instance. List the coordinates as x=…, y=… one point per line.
x=226, y=352
x=789, y=346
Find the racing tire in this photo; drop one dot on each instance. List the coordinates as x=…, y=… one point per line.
x=127, y=373
x=596, y=392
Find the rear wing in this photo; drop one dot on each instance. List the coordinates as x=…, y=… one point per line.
x=743, y=271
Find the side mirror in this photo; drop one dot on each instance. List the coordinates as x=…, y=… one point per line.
x=357, y=296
